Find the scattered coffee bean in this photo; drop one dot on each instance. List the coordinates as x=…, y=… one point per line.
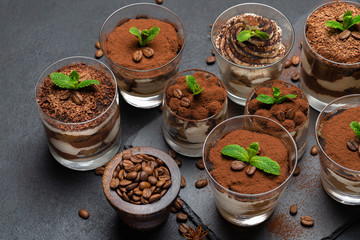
x=172, y=153
x=297, y=171
x=307, y=221
x=137, y=56
x=295, y=60
x=295, y=76
x=65, y=95
x=77, y=98
x=280, y=116
x=213, y=52
x=301, y=44
x=183, y=182
x=201, y=183
x=344, y=35
x=293, y=209
x=177, y=93
x=183, y=228
x=200, y=164
x=159, y=1
x=84, y=214
x=185, y=102
x=250, y=170
x=181, y=217
x=210, y=25
x=99, y=53
x=97, y=45
x=288, y=64
x=148, y=52
x=352, y=145
x=339, y=18
x=99, y=170
x=237, y=166
x=178, y=204
x=290, y=114
x=355, y=35
x=178, y=162
x=314, y=150
x=210, y=60
x=173, y=209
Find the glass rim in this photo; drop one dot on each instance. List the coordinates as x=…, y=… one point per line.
x=186, y=119
x=145, y=4
x=79, y=58
x=283, y=82
x=254, y=194
x=259, y=67
x=317, y=135
x=307, y=43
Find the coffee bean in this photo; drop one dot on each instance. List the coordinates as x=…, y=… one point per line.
x=131, y=187
x=201, y=183
x=295, y=76
x=293, y=209
x=126, y=156
x=213, y=52
x=178, y=162
x=172, y=153
x=185, y=102
x=210, y=60
x=137, y=56
x=84, y=214
x=181, y=217
x=146, y=193
x=297, y=171
x=173, y=209
x=143, y=176
x=154, y=198
x=144, y=185
x=344, y=35
x=148, y=170
x=314, y=150
x=97, y=45
x=152, y=188
x=164, y=177
x=159, y=1
x=152, y=180
x=114, y=183
x=290, y=114
x=356, y=35
x=115, y=173
x=99, y=53
x=137, y=179
x=183, y=228
x=178, y=204
x=167, y=184
x=99, y=170
x=136, y=198
x=138, y=192
x=135, y=159
x=163, y=192
x=280, y=116
x=125, y=197
x=148, y=52
x=183, y=182
x=131, y=194
x=128, y=165
x=352, y=145
x=77, y=98
x=143, y=200
x=210, y=25
x=64, y=96
x=288, y=64
x=160, y=183
x=295, y=60
x=123, y=189
x=131, y=175
x=153, y=165
x=237, y=166
x=307, y=221
x=124, y=183
x=200, y=164
x=177, y=93
x=121, y=174
x=250, y=170
x=301, y=44
x=118, y=191
x=339, y=18
x=157, y=190
x=160, y=162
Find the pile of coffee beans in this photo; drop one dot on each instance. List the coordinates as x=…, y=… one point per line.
x=141, y=179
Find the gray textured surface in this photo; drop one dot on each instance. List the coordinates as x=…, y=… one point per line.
x=40, y=198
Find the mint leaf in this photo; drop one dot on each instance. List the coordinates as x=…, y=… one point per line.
x=62, y=80
x=261, y=35
x=266, y=99
x=355, y=20
x=137, y=33
x=253, y=149
x=281, y=99
x=334, y=24
x=347, y=19
x=265, y=164
x=74, y=76
x=245, y=35
x=88, y=82
x=276, y=92
x=235, y=151
x=151, y=34
x=145, y=36
x=192, y=84
x=355, y=126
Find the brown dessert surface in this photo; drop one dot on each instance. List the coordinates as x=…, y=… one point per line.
x=204, y=105
x=120, y=45
x=239, y=181
x=96, y=99
x=325, y=40
x=298, y=105
x=336, y=132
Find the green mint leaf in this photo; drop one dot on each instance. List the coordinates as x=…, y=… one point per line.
x=355, y=20
x=280, y=100
x=74, y=76
x=334, y=24
x=261, y=35
x=276, y=92
x=245, y=35
x=137, y=33
x=235, y=151
x=87, y=82
x=266, y=99
x=265, y=164
x=198, y=92
x=355, y=126
x=192, y=84
x=347, y=19
x=253, y=149
x=151, y=34
x=62, y=80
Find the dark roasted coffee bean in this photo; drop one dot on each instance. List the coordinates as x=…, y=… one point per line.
x=137, y=167
x=250, y=170
x=167, y=184
x=314, y=150
x=152, y=180
x=183, y=182
x=148, y=52
x=99, y=170
x=99, y=53
x=118, y=191
x=156, y=173
x=131, y=186
x=126, y=156
x=146, y=193
x=164, y=177
x=135, y=160
x=144, y=200
x=307, y=221
x=213, y=52
x=352, y=145
x=173, y=209
x=144, y=185
x=200, y=164
x=183, y=228
x=339, y=18
x=137, y=179
x=97, y=45
x=153, y=165
x=181, y=217
x=290, y=114
x=177, y=93
x=138, y=192
x=344, y=35
x=136, y=198
x=201, y=183
x=295, y=76
x=131, y=175
x=280, y=116
x=355, y=35
x=288, y=64
x=301, y=44
x=154, y=198
x=150, y=158
x=172, y=153
x=131, y=193
x=297, y=171
x=159, y=1
x=137, y=56
x=128, y=165
x=148, y=170
x=114, y=183
x=295, y=60
x=124, y=183
x=64, y=96
x=160, y=162
x=84, y=214
x=178, y=204
x=157, y=190
x=143, y=164
x=125, y=197
x=143, y=176
x=293, y=209
x=185, y=102
x=210, y=60
x=152, y=188
x=115, y=173
x=178, y=162
x=160, y=183
x=237, y=166
x=77, y=98
x=163, y=192
x=122, y=189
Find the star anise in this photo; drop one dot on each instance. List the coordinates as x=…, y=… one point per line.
x=196, y=234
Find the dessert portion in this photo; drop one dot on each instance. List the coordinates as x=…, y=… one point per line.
x=189, y=116
x=81, y=124
x=292, y=112
x=330, y=60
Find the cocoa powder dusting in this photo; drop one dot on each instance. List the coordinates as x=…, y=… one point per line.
x=239, y=181
x=336, y=132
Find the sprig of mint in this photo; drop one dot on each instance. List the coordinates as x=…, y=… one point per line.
x=348, y=21
x=192, y=84
x=249, y=156
x=72, y=81
x=275, y=99
x=247, y=34
x=355, y=126
x=145, y=36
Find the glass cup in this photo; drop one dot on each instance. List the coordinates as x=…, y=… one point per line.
x=240, y=80
x=323, y=80
x=340, y=183
x=187, y=136
x=85, y=145
x=143, y=88
x=301, y=131
x=247, y=209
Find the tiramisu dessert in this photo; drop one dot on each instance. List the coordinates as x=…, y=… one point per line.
x=82, y=122
x=194, y=103
x=331, y=53
x=284, y=103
